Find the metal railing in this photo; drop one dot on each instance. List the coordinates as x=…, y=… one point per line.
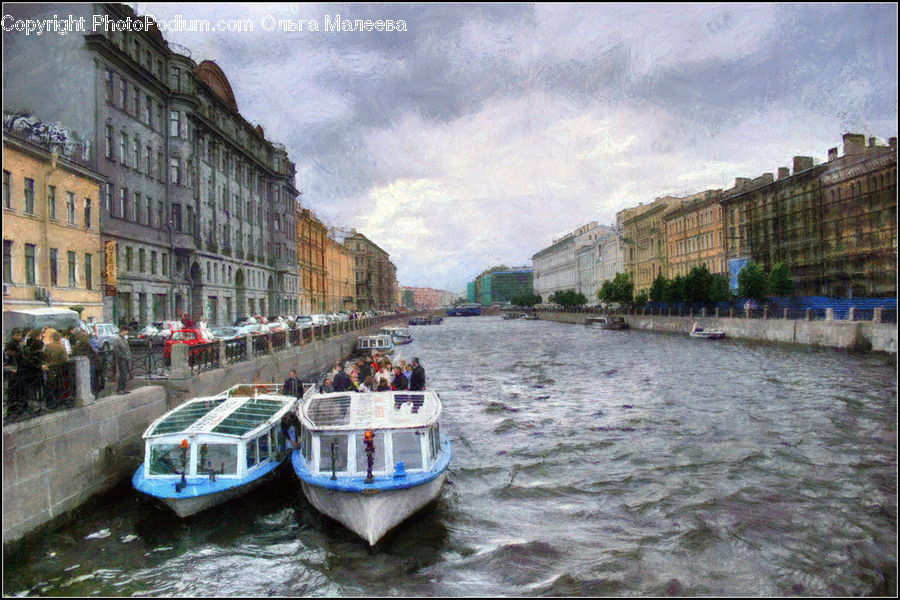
x=31, y=392
x=235, y=350
x=203, y=357
x=278, y=340
x=260, y=345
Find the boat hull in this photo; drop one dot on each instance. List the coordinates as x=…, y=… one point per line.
x=372, y=515
x=708, y=335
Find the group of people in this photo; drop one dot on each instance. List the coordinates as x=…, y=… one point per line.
x=377, y=374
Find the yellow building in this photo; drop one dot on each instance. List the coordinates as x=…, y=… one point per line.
x=311, y=236
x=52, y=254
x=695, y=235
x=644, y=240
x=338, y=277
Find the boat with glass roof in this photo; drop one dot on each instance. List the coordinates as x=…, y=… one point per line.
x=371, y=460
x=212, y=449
x=399, y=335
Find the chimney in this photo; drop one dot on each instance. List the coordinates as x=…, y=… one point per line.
x=832, y=154
x=801, y=163
x=854, y=143
x=892, y=142
x=783, y=172
x=740, y=182
x=872, y=142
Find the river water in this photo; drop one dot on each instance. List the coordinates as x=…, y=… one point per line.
x=586, y=462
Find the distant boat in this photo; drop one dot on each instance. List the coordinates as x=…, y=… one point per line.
x=212, y=449
x=426, y=320
x=513, y=315
x=371, y=460
x=399, y=335
x=369, y=344
x=532, y=317
x=607, y=323
x=465, y=310
x=708, y=334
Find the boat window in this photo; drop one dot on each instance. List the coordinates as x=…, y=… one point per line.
x=329, y=410
x=408, y=448
x=222, y=458
x=264, y=446
x=435, y=440
x=361, y=464
x=278, y=442
x=251, y=453
x=306, y=444
x=166, y=459
x=332, y=449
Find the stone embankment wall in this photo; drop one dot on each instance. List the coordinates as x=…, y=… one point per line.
x=880, y=337
x=54, y=462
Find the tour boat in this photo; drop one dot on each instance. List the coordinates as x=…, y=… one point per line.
x=708, y=334
x=212, y=449
x=607, y=323
x=532, y=317
x=513, y=315
x=399, y=335
x=369, y=344
x=371, y=460
x=426, y=320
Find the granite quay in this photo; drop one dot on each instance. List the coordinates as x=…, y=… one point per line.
x=878, y=333
x=55, y=462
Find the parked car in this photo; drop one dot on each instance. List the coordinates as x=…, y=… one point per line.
x=303, y=321
x=103, y=334
x=257, y=329
x=229, y=333
x=191, y=337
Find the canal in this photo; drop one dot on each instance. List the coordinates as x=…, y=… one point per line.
x=586, y=462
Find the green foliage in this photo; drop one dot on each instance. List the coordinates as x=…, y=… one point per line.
x=719, y=289
x=659, y=291
x=528, y=299
x=675, y=290
x=620, y=289
x=642, y=298
x=780, y=282
x=752, y=282
x=569, y=298
x=697, y=284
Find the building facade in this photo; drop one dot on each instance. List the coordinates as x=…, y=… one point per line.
x=643, y=236
x=501, y=284
x=608, y=257
x=695, y=235
x=51, y=230
x=426, y=298
x=375, y=276
x=311, y=263
x=554, y=268
x=339, y=277
x=198, y=204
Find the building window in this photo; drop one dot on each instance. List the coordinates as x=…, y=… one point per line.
x=123, y=148
x=148, y=112
x=70, y=208
x=7, y=261
x=129, y=254
x=109, y=85
x=7, y=185
x=136, y=207
x=87, y=213
x=153, y=262
x=175, y=78
x=123, y=95
x=164, y=264
x=160, y=214
x=123, y=199
x=29, y=196
x=30, y=275
x=136, y=99
x=174, y=123
x=54, y=267
x=136, y=150
x=150, y=211
x=174, y=171
x=148, y=160
x=109, y=142
x=108, y=194
x=176, y=216
x=51, y=201
x=73, y=282
x=142, y=262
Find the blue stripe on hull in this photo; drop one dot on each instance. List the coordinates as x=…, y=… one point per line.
x=381, y=483
x=196, y=486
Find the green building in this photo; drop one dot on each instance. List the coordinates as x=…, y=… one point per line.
x=500, y=285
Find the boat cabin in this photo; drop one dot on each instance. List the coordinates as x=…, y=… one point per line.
x=229, y=435
x=405, y=425
x=397, y=332
x=382, y=342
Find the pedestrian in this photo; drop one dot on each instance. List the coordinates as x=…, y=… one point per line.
x=68, y=340
x=33, y=366
x=83, y=347
x=54, y=351
x=12, y=351
x=187, y=321
x=290, y=426
x=368, y=385
x=417, y=379
x=122, y=355
x=292, y=386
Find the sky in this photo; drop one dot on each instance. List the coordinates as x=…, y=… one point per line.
x=485, y=131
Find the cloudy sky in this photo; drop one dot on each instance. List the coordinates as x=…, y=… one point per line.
x=484, y=132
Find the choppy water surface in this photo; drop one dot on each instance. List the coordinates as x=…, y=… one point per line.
x=586, y=462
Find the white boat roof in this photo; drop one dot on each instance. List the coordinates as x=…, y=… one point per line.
x=343, y=411
x=235, y=412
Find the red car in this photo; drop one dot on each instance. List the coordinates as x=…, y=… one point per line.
x=191, y=337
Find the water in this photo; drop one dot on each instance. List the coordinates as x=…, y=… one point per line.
x=586, y=462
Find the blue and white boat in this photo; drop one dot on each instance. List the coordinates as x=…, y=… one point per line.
x=212, y=449
x=371, y=460
x=370, y=344
x=399, y=335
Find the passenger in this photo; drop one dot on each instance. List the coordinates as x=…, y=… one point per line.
x=327, y=387
x=292, y=386
x=400, y=382
x=342, y=382
x=417, y=380
x=383, y=385
x=364, y=369
x=290, y=426
x=368, y=385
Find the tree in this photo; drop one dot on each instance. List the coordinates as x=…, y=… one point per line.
x=526, y=299
x=569, y=298
x=780, y=282
x=675, y=292
x=719, y=289
x=618, y=290
x=752, y=282
x=641, y=298
x=697, y=284
x=660, y=289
